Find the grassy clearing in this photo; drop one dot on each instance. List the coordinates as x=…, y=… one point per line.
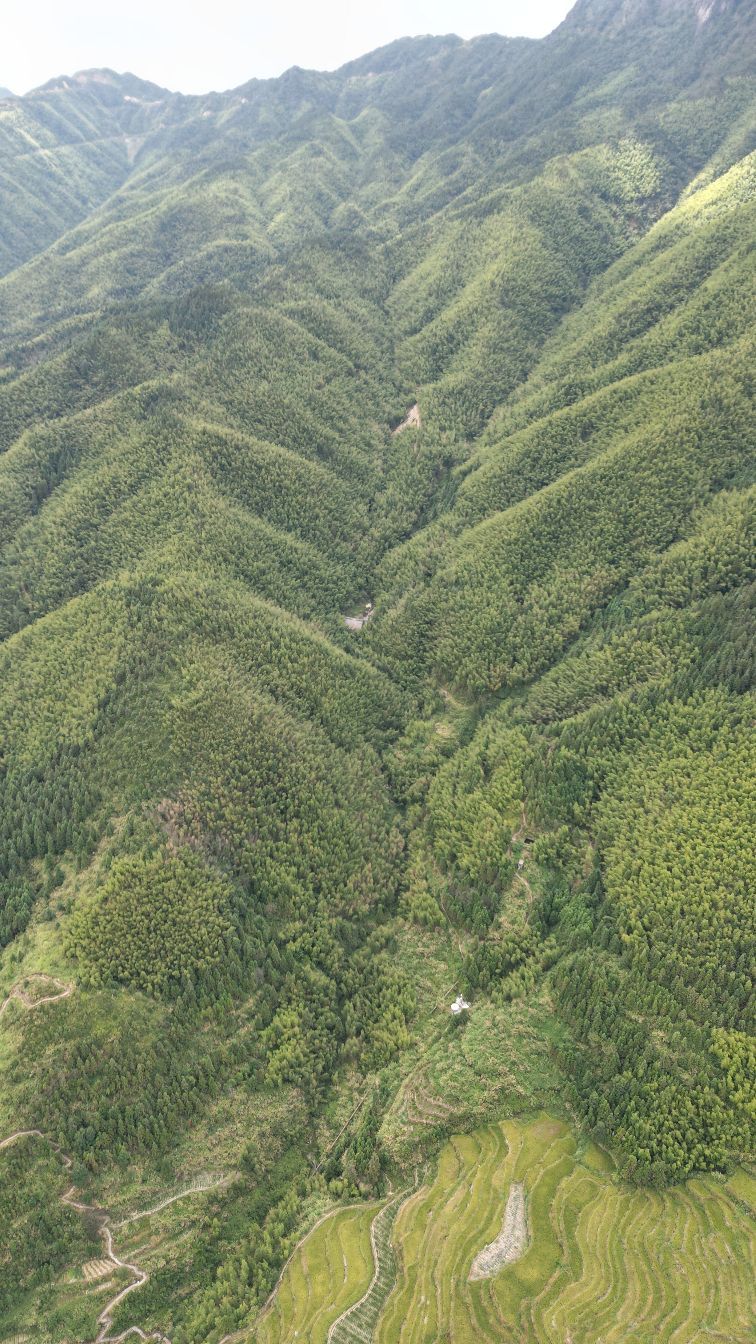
x=502, y=1060
x=604, y=1262
x=330, y=1270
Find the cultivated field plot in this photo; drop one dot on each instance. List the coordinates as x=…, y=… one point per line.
x=329, y=1271
x=599, y=1262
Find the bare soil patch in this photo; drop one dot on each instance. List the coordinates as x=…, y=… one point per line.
x=511, y=1243
x=411, y=420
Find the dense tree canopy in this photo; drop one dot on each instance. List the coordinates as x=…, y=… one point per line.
x=261, y=847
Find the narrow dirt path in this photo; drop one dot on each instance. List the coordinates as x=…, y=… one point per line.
x=522, y=878
x=198, y=1188
x=105, y=1319
x=21, y=1134
x=19, y=992
x=140, y=1276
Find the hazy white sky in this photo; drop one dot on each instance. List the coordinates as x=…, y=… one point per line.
x=198, y=45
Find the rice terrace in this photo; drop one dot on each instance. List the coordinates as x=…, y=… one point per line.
x=604, y=1263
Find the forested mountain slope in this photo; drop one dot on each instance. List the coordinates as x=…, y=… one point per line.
x=265, y=850
x=64, y=148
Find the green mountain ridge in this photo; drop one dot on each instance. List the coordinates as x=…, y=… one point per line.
x=265, y=850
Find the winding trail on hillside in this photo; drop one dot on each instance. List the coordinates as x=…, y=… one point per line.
x=21, y=994
x=21, y=1134
x=105, y=1228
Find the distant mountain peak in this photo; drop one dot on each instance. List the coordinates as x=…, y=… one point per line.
x=615, y=14
x=103, y=77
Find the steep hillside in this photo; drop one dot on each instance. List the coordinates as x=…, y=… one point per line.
x=249, y=855
x=64, y=149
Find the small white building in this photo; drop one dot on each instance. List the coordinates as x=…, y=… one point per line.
x=460, y=1005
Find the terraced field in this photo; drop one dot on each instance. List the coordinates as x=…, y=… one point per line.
x=602, y=1262
x=329, y=1271
x=357, y=1324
